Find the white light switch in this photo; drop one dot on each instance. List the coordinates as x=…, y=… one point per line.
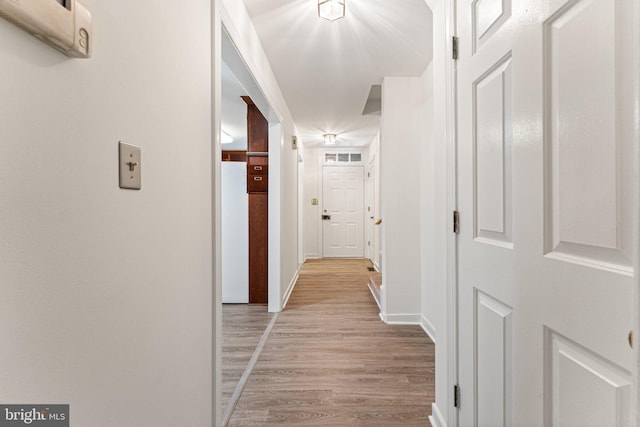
x=130, y=166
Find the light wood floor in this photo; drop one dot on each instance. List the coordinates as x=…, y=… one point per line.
x=330, y=361
x=242, y=328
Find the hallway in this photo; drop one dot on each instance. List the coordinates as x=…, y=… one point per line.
x=329, y=360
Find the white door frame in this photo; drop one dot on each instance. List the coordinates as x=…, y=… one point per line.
x=636, y=214
x=369, y=215
x=452, y=205
x=216, y=220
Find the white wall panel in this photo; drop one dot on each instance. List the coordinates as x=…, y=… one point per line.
x=336, y=231
x=351, y=200
x=585, y=390
x=337, y=199
x=488, y=17
x=351, y=234
x=492, y=140
x=586, y=197
x=493, y=362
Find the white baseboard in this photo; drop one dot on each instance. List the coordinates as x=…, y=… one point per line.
x=428, y=328
x=401, y=319
x=375, y=295
x=292, y=285
x=410, y=319
x=311, y=256
x=436, y=418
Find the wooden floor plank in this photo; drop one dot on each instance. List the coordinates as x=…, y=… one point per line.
x=242, y=328
x=330, y=361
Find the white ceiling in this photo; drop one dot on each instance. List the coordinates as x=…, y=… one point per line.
x=326, y=69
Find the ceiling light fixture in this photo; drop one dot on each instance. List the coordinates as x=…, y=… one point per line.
x=226, y=139
x=330, y=138
x=331, y=9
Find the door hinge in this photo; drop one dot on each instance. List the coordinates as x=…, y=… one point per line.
x=456, y=221
x=456, y=396
x=454, y=47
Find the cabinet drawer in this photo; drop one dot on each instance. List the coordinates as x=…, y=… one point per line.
x=257, y=183
x=257, y=169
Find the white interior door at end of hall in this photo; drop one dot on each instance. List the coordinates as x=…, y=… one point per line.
x=343, y=208
x=545, y=128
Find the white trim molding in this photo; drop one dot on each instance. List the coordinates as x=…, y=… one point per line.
x=374, y=294
x=401, y=319
x=436, y=419
x=292, y=285
x=636, y=218
x=428, y=328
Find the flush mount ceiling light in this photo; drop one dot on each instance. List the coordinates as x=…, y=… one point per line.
x=331, y=9
x=329, y=138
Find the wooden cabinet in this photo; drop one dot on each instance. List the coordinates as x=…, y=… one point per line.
x=258, y=174
x=258, y=189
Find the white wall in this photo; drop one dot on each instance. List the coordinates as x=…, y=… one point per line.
x=283, y=265
x=428, y=206
x=276, y=285
x=301, y=157
x=107, y=293
x=375, y=148
x=400, y=140
x=373, y=167
x=312, y=190
x=288, y=214
x=235, y=233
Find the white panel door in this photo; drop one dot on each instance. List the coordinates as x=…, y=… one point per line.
x=545, y=102
x=343, y=211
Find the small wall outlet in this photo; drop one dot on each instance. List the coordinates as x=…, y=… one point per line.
x=130, y=166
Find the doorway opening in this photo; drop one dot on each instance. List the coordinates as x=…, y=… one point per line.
x=246, y=173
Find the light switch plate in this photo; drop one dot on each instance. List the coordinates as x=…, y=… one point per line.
x=130, y=166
